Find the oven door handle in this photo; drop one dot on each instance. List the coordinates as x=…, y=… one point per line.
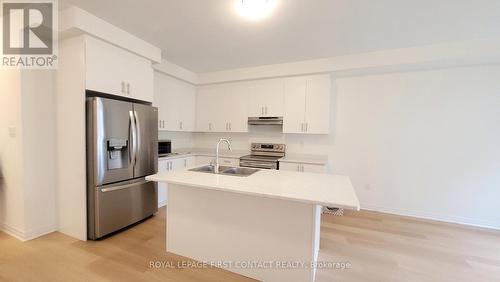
x=257, y=164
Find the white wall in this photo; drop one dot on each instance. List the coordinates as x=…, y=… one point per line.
x=11, y=155
x=39, y=143
x=27, y=160
x=422, y=143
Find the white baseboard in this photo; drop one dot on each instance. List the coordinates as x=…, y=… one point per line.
x=26, y=236
x=12, y=231
x=162, y=204
x=436, y=217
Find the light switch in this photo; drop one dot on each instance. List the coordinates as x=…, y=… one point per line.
x=12, y=132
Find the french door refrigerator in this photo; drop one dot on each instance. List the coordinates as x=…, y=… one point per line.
x=122, y=140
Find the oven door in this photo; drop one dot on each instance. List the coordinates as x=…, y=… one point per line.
x=259, y=164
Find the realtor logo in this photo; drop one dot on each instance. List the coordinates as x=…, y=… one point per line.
x=28, y=34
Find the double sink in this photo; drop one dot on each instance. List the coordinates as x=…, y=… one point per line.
x=226, y=170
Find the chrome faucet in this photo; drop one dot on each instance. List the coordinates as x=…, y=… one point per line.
x=216, y=167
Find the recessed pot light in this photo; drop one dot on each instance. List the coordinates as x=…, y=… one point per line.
x=255, y=10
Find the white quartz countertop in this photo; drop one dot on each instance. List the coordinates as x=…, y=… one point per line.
x=182, y=153
x=236, y=154
x=322, y=189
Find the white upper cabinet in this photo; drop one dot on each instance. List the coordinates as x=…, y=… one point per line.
x=266, y=98
x=206, y=109
x=176, y=104
x=222, y=108
x=307, y=105
x=235, y=107
x=295, y=100
x=113, y=70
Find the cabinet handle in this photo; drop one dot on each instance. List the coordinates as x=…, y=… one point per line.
x=185, y=163
x=230, y=129
x=128, y=88
x=307, y=126
x=210, y=126
x=298, y=167
x=123, y=87
x=180, y=125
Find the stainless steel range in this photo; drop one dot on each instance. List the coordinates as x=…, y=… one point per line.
x=264, y=156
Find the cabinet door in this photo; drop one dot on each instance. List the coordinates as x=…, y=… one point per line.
x=113, y=70
x=266, y=98
x=290, y=166
x=162, y=187
x=177, y=103
x=235, y=107
x=182, y=163
x=313, y=168
x=139, y=76
x=317, y=114
x=161, y=99
x=105, y=67
x=203, y=160
x=274, y=98
x=206, y=109
x=190, y=162
x=295, y=105
x=188, y=105
x=178, y=164
x=300, y=167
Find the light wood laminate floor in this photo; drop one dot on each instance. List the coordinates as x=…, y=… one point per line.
x=379, y=247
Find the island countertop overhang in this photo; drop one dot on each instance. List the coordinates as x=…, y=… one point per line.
x=313, y=188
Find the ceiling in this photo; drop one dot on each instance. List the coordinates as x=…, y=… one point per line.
x=207, y=35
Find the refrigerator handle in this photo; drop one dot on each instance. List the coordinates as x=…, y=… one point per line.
x=111, y=188
x=138, y=140
x=134, y=137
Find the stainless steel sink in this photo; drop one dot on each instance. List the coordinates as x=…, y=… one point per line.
x=206, y=168
x=226, y=170
x=239, y=171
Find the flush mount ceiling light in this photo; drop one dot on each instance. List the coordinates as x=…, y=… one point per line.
x=255, y=10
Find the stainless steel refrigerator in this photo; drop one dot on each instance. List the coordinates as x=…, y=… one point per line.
x=122, y=140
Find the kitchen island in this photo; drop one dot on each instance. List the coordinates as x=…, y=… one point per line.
x=265, y=226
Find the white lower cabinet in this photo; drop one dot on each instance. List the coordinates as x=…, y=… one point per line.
x=203, y=160
x=301, y=167
x=169, y=165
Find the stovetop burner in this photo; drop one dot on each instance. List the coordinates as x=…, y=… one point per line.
x=263, y=156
